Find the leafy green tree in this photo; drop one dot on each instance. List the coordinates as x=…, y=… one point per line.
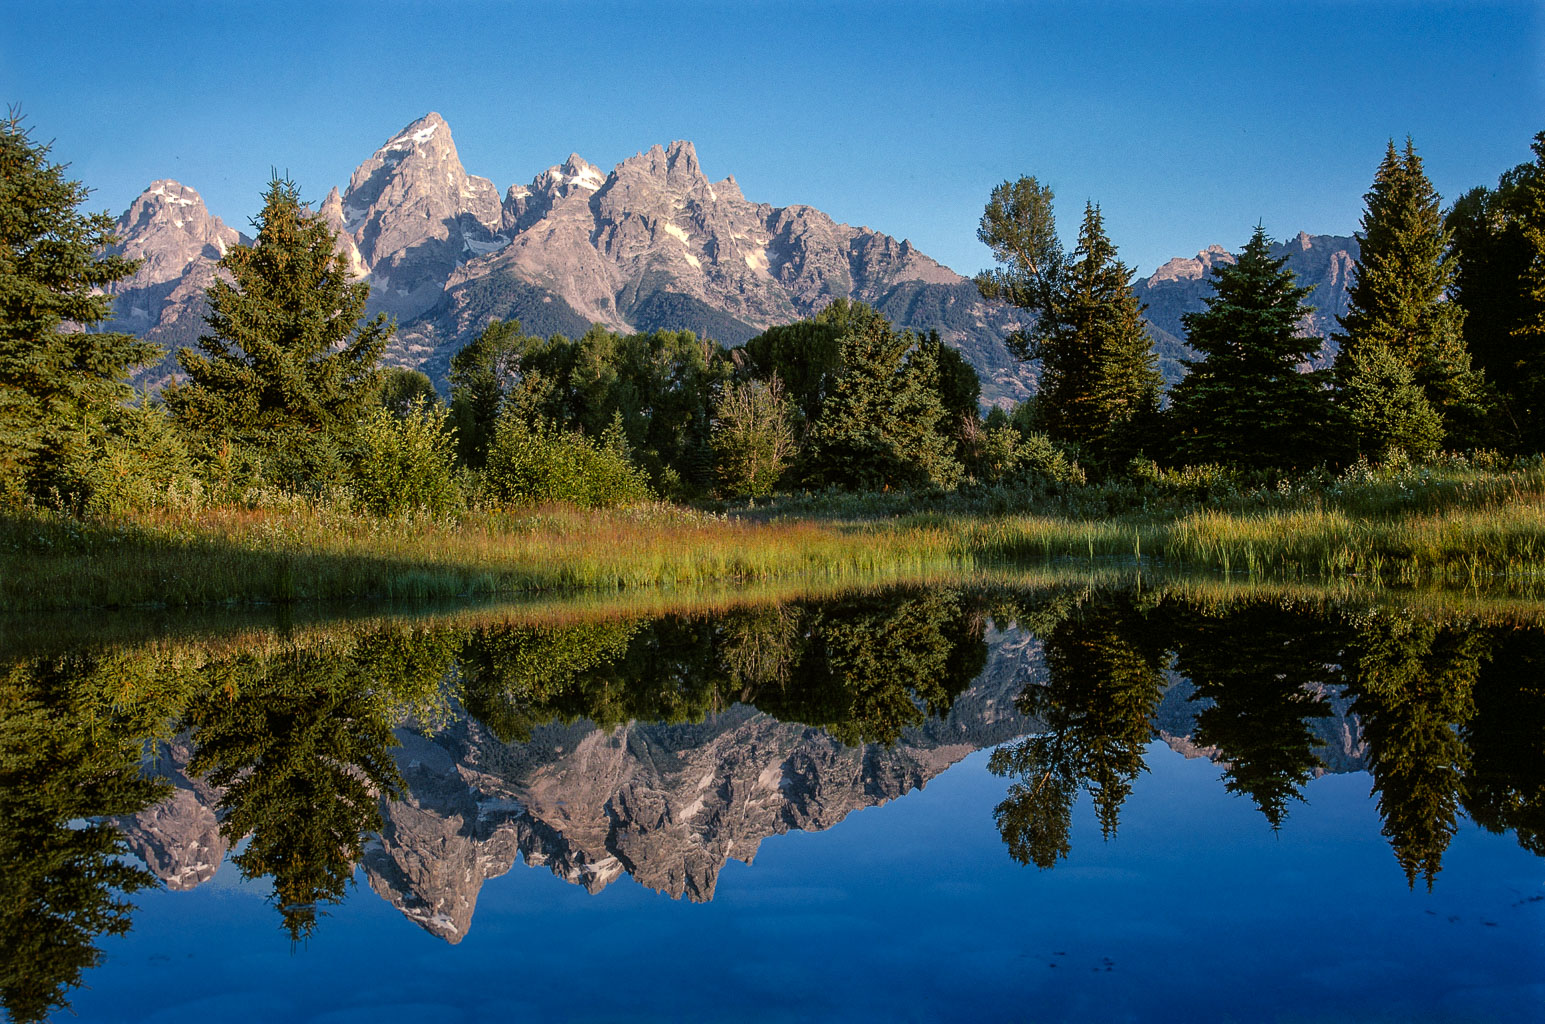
x=482, y=374
x=1387, y=409
x=753, y=440
x=1504, y=784
x=1499, y=239
x=62, y=379
x=286, y=368
x=1244, y=402
x=406, y=461
x=1263, y=671
x=533, y=464
x=866, y=668
x=1399, y=298
x=1099, y=379
x=879, y=426
x=1414, y=686
x=806, y=356
x=400, y=387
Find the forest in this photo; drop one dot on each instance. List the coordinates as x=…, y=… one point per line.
x=288, y=462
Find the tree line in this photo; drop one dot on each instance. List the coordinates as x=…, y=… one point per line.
x=1440, y=346
x=286, y=393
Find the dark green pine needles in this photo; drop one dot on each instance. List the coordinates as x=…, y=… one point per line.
x=1245, y=401
x=286, y=367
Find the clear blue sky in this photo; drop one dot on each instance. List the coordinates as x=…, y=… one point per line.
x=1187, y=122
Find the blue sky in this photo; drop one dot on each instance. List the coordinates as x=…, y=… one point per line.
x=1187, y=122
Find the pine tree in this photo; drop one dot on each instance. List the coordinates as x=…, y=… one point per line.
x=1499, y=239
x=62, y=381
x=1399, y=296
x=1245, y=402
x=286, y=368
x=1099, y=376
x=879, y=426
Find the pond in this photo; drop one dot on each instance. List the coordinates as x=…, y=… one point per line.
x=1060, y=801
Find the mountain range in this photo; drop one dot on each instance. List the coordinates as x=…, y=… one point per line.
x=650, y=244
x=668, y=805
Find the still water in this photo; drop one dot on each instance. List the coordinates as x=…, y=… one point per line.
x=924, y=803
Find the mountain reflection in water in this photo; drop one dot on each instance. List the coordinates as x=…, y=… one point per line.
x=434, y=753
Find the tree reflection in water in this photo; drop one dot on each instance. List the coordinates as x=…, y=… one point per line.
x=296, y=728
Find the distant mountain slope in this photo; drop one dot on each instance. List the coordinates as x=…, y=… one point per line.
x=1181, y=285
x=651, y=244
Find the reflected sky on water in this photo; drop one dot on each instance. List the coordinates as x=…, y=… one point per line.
x=1218, y=852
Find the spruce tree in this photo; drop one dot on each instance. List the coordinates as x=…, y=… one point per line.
x=286, y=368
x=1399, y=296
x=879, y=426
x=1499, y=239
x=1245, y=403
x=62, y=380
x=1099, y=377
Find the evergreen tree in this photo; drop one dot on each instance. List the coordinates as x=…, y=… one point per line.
x=482, y=374
x=1499, y=239
x=879, y=425
x=1244, y=402
x=1399, y=297
x=1099, y=377
x=287, y=367
x=62, y=380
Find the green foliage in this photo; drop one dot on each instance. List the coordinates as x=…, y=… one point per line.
x=1245, y=403
x=400, y=387
x=753, y=440
x=1099, y=379
x=1414, y=686
x=142, y=464
x=64, y=766
x=806, y=356
x=286, y=368
x=1499, y=239
x=1399, y=298
x=1390, y=415
x=62, y=379
x=300, y=743
x=406, y=461
x=482, y=373
x=879, y=426
x=534, y=464
x=1096, y=706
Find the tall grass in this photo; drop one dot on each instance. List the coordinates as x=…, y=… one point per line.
x=1463, y=526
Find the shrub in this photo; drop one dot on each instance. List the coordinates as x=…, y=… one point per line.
x=139, y=464
x=532, y=464
x=406, y=462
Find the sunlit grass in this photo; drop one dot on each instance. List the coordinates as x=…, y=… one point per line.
x=1471, y=528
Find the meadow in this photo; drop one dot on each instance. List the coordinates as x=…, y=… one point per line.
x=1454, y=523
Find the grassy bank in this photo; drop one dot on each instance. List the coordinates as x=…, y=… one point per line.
x=1467, y=528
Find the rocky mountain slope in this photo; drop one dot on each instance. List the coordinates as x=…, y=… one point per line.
x=652, y=243
x=1180, y=286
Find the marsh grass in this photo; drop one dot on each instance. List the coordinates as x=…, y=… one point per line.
x=1462, y=526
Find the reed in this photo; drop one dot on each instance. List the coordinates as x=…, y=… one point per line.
x=1467, y=528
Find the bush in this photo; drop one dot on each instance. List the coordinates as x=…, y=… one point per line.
x=141, y=463
x=532, y=464
x=406, y=461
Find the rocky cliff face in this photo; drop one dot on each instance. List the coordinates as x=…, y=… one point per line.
x=178, y=839
x=177, y=241
x=653, y=243
x=1181, y=286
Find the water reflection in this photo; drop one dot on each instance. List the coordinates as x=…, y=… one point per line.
x=437, y=753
